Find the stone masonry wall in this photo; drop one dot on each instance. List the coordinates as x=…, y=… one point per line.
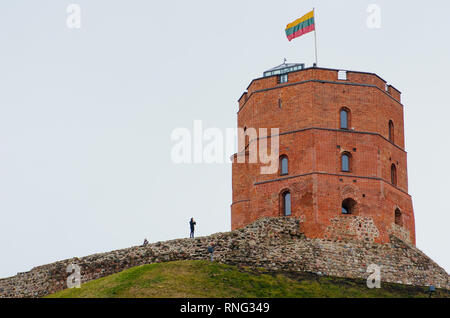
x=272, y=243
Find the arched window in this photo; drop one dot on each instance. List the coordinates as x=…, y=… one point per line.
x=348, y=206
x=346, y=162
x=394, y=175
x=345, y=118
x=284, y=165
x=286, y=203
x=391, y=131
x=398, y=217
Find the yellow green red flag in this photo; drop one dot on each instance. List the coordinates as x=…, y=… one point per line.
x=301, y=26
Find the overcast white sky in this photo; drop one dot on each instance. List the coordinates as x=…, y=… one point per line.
x=86, y=114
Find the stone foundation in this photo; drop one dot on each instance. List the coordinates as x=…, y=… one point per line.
x=272, y=243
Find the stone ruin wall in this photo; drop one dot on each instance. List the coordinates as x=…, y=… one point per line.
x=273, y=243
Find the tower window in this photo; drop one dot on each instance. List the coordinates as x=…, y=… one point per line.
x=345, y=118
x=394, y=175
x=391, y=131
x=342, y=75
x=286, y=203
x=345, y=162
x=398, y=217
x=283, y=78
x=348, y=206
x=280, y=103
x=284, y=165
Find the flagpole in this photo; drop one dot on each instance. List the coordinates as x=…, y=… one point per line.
x=315, y=33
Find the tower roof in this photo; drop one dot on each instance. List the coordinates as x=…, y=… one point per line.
x=284, y=68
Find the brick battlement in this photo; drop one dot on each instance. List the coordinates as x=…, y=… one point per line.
x=321, y=75
x=274, y=243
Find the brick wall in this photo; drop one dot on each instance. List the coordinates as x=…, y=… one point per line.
x=310, y=136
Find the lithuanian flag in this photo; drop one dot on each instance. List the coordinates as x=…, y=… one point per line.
x=301, y=26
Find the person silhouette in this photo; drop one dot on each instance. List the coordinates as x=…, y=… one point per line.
x=192, y=224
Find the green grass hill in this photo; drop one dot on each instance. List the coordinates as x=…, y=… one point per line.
x=205, y=279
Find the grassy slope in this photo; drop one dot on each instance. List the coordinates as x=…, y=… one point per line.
x=206, y=279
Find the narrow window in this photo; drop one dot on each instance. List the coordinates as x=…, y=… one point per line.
x=342, y=75
x=284, y=165
x=345, y=162
x=398, y=217
x=287, y=203
x=348, y=206
x=246, y=138
x=283, y=78
x=391, y=131
x=394, y=175
x=344, y=119
x=280, y=104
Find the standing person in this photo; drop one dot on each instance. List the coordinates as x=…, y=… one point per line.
x=192, y=223
x=211, y=251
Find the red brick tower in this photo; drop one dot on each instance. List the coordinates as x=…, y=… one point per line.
x=343, y=165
